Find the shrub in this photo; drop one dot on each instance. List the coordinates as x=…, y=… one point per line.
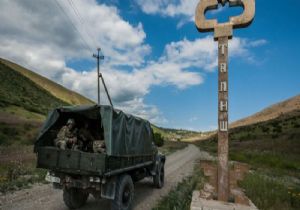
x=158, y=139
x=265, y=129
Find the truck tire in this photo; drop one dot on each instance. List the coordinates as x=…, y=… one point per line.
x=124, y=194
x=159, y=177
x=74, y=198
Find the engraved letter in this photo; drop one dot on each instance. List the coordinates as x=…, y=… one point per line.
x=222, y=46
x=223, y=126
x=223, y=106
x=223, y=86
x=223, y=68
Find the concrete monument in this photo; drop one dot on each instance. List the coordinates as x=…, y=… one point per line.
x=222, y=33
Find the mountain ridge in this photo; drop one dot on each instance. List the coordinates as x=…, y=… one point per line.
x=271, y=112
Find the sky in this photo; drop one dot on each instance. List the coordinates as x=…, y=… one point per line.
x=157, y=65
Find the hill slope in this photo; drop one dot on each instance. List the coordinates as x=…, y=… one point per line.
x=25, y=100
x=23, y=107
x=18, y=90
x=55, y=89
x=271, y=112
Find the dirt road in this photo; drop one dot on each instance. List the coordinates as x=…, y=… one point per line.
x=178, y=165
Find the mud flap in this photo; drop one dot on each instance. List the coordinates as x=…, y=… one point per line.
x=108, y=189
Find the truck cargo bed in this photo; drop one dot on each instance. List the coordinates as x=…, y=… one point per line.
x=84, y=163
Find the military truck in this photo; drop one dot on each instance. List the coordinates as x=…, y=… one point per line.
x=130, y=156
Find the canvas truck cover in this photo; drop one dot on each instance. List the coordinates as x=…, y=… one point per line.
x=124, y=134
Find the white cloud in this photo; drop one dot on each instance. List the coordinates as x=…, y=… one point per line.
x=168, y=7
x=39, y=36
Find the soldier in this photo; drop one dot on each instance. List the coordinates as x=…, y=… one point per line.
x=67, y=136
x=85, y=138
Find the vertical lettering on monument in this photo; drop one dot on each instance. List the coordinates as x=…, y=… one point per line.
x=223, y=178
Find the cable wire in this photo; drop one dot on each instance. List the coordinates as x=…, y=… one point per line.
x=81, y=20
x=64, y=12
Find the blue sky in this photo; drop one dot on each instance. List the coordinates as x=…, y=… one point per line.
x=151, y=36
x=274, y=75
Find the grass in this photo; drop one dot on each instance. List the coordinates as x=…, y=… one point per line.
x=19, y=176
x=271, y=194
x=22, y=113
x=180, y=197
x=267, y=160
x=18, y=168
x=18, y=134
x=17, y=90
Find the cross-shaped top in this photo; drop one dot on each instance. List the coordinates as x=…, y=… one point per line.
x=224, y=29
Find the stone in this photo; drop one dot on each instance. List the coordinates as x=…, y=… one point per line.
x=203, y=204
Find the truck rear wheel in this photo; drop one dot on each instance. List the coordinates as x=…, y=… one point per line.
x=74, y=198
x=124, y=194
x=159, y=177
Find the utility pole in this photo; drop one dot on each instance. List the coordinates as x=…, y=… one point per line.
x=222, y=33
x=100, y=76
x=98, y=57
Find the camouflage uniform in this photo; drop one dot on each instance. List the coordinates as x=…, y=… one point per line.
x=86, y=139
x=66, y=138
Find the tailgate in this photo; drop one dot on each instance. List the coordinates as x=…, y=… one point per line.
x=70, y=161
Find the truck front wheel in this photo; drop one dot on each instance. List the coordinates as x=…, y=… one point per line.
x=124, y=194
x=159, y=177
x=74, y=198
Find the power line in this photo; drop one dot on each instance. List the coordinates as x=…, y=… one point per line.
x=81, y=20
x=63, y=11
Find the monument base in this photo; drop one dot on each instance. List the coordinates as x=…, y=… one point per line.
x=199, y=203
x=206, y=199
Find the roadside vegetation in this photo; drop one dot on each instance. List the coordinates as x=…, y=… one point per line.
x=272, y=149
x=18, y=168
x=180, y=197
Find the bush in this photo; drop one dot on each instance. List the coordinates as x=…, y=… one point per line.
x=158, y=140
x=270, y=194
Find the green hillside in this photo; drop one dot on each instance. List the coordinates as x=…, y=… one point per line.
x=23, y=107
x=174, y=134
x=18, y=90
x=55, y=89
x=25, y=100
